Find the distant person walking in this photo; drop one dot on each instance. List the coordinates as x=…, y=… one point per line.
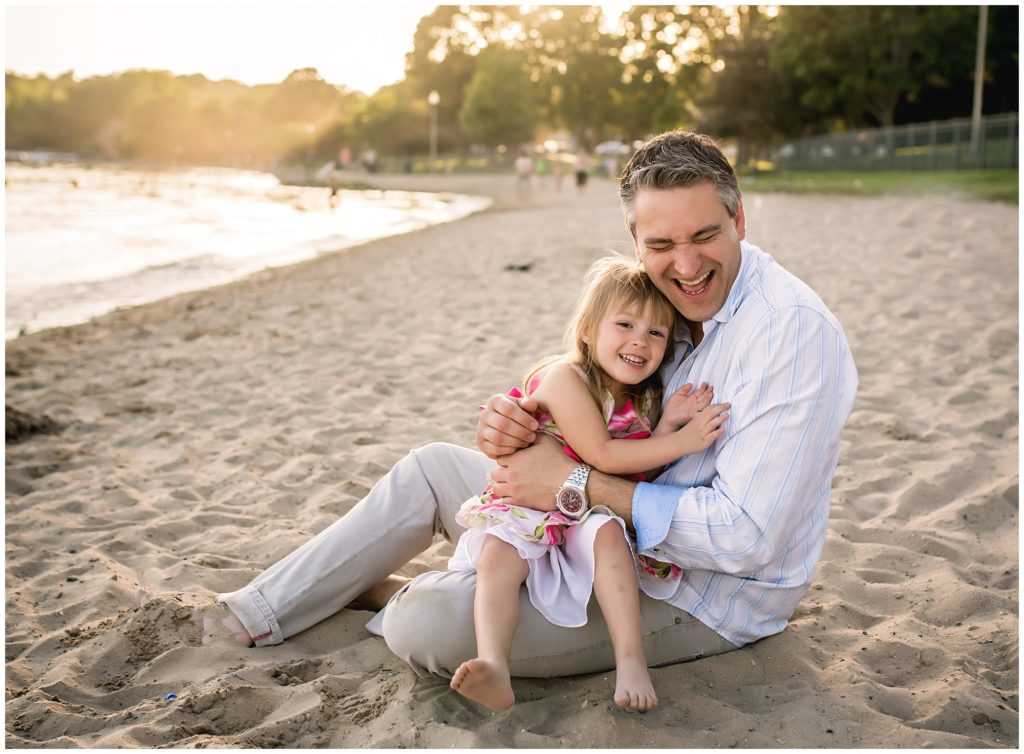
x=558, y=172
x=611, y=164
x=540, y=169
x=582, y=170
x=333, y=186
x=524, y=169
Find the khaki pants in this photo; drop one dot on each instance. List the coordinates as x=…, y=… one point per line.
x=429, y=623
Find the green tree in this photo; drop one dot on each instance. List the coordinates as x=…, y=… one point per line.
x=949, y=42
x=747, y=99
x=443, y=59
x=392, y=122
x=580, y=73
x=499, y=107
x=859, y=63
x=303, y=97
x=665, y=56
x=35, y=117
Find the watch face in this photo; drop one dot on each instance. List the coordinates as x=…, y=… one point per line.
x=570, y=500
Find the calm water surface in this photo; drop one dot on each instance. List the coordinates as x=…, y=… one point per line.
x=84, y=240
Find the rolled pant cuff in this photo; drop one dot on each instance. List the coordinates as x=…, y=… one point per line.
x=255, y=614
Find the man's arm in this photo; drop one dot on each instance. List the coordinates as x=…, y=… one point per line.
x=792, y=387
x=531, y=478
x=613, y=492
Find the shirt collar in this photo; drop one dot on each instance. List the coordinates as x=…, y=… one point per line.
x=739, y=286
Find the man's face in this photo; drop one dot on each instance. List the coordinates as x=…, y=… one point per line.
x=690, y=246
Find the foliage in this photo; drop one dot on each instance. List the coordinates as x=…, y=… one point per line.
x=504, y=74
x=499, y=104
x=579, y=73
x=747, y=99
x=156, y=116
x=861, y=62
x=392, y=121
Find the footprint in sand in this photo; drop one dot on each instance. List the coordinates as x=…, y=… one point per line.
x=363, y=707
x=295, y=673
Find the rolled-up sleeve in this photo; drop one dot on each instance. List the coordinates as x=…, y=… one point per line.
x=653, y=508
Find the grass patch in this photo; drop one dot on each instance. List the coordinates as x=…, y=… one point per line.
x=989, y=185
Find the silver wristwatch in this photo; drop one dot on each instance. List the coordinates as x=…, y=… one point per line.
x=571, y=497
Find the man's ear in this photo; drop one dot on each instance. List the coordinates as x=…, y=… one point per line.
x=741, y=222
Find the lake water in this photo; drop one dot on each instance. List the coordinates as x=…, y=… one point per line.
x=84, y=240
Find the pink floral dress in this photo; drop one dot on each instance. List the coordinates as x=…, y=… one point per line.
x=560, y=550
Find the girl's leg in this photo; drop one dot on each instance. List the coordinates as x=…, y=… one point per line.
x=499, y=575
x=618, y=594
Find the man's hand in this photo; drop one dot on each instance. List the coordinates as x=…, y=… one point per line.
x=531, y=477
x=683, y=405
x=506, y=425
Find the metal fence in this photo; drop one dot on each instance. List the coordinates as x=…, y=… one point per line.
x=939, y=145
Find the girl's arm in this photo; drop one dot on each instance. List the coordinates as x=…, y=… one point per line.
x=682, y=406
x=564, y=394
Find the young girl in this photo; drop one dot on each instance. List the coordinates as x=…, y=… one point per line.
x=600, y=400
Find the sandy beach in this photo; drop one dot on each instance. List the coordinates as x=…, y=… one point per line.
x=196, y=440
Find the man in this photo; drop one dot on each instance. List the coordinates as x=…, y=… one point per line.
x=745, y=520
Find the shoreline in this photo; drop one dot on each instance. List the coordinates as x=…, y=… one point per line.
x=207, y=435
x=308, y=226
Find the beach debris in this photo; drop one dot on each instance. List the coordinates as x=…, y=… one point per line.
x=513, y=267
x=980, y=718
x=170, y=697
x=20, y=425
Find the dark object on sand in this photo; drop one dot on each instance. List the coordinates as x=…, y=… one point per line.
x=525, y=267
x=21, y=425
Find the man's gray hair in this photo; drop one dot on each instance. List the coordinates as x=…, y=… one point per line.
x=677, y=159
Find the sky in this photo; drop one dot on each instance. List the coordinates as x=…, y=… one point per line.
x=360, y=45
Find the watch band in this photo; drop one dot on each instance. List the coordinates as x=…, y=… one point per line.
x=578, y=477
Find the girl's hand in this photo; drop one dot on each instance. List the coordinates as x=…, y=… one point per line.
x=706, y=426
x=505, y=425
x=683, y=405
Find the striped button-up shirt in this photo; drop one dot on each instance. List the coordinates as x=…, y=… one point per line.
x=746, y=518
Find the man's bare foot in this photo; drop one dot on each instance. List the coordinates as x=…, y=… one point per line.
x=218, y=622
x=377, y=596
x=485, y=682
x=633, y=688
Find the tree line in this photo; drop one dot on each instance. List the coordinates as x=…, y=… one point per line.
x=510, y=75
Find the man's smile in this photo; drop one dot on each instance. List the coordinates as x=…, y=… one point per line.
x=694, y=287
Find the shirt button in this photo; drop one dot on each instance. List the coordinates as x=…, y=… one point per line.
x=678, y=620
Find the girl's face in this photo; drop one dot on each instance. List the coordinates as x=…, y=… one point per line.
x=629, y=345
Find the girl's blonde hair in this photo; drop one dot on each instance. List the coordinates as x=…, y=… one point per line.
x=612, y=282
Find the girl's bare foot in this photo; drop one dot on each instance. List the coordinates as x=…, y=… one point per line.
x=377, y=596
x=485, y=682
x=633, y=689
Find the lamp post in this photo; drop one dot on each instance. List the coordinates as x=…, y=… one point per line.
x=979, y=80
x=433, y=99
